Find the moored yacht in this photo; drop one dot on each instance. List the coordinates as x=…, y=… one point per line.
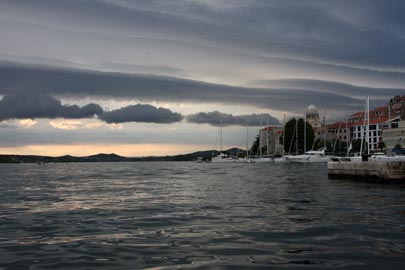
x=310, y=157
x=223, y=158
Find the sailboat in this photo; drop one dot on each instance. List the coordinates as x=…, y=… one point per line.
x=365, y=129
x=222, y=157
x=246, y=159
x=312, y=156
x=261, y=158
x=284, y=158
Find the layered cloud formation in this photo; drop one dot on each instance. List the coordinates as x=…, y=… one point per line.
x=223, y=119
x=40, y=106
x=287, y=95
x=371, y=32
x=233, y=60
x=141, y=113
x=299, y=51
x=28, y=106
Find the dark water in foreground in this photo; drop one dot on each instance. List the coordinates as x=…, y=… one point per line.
x=196, y=216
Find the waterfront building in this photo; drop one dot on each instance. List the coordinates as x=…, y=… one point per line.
x=394, y=133
x=270, y=140
x=312, y=117
x=385, y=126
x=355, y=129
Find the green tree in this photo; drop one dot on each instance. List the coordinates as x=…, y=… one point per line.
x=382, y=145
x=255, y=146
x=290, y=133
x=356, y=145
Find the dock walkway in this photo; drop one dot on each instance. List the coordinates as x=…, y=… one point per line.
x=376, y=171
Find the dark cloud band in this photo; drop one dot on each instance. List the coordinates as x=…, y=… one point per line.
x=285, y=97
x=217, y=118
x=32, y=106
x=141, y=113
x=41, y=106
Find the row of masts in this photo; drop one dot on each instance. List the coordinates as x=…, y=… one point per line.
x=366, y=125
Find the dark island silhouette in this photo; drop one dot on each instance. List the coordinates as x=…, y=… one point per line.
x=205, y=155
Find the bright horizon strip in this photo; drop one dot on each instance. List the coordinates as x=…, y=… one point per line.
x=128, y=150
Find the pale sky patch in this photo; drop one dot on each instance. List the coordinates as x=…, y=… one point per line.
x=75, y=124
x=129, y=150
x=27, y=123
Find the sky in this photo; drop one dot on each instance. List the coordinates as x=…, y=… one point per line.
x=157, y=77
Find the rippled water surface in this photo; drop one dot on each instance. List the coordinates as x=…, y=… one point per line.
x=196, y=216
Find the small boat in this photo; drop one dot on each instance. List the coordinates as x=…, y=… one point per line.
x=386, y=157
x=224, y=158
x=245, y=160
x=199, y=160
x=310, y=157
x=263, y=159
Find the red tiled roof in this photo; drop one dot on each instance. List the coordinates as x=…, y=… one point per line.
x=336, y=125
x=271, y=128
x=381, y=108
x=373, y=121
x=357, y=115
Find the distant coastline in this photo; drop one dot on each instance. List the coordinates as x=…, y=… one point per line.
x=112, y=157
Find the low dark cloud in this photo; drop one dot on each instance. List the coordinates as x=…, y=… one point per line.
x=22, y=106
x=331, y=87
x=32, y=106
x=141, y=113
x=43, y=80
x=217, y=118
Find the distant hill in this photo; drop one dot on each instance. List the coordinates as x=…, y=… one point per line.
x=114, y=158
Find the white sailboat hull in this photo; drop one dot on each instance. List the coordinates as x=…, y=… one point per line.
x=263, y=160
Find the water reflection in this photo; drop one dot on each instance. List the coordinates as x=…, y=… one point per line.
x=198, y=216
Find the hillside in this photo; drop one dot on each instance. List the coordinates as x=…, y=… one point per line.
x=113, y=157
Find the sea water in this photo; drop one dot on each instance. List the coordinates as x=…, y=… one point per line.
x=183, y=215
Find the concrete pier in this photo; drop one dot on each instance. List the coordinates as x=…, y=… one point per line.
x=375, y=171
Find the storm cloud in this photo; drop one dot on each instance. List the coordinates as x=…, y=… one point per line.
x=41, y=106
x=288, y=95
x=141, y=113
x=274, y=56
x=371, y=34
x=233, y=42
x=32, y=106
x=217, y=118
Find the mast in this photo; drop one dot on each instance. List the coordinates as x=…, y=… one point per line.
x=368, y=126
x=247, y=140
x=363, y=128
x=305, y=131
x=389, y=123
x=220, y=138
x=347, y=133
x=336, y=137
x=260, y=138
x=324, y=129
x=292, y=139
x=283, y=133
x=267, y=136
x=296, y=136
